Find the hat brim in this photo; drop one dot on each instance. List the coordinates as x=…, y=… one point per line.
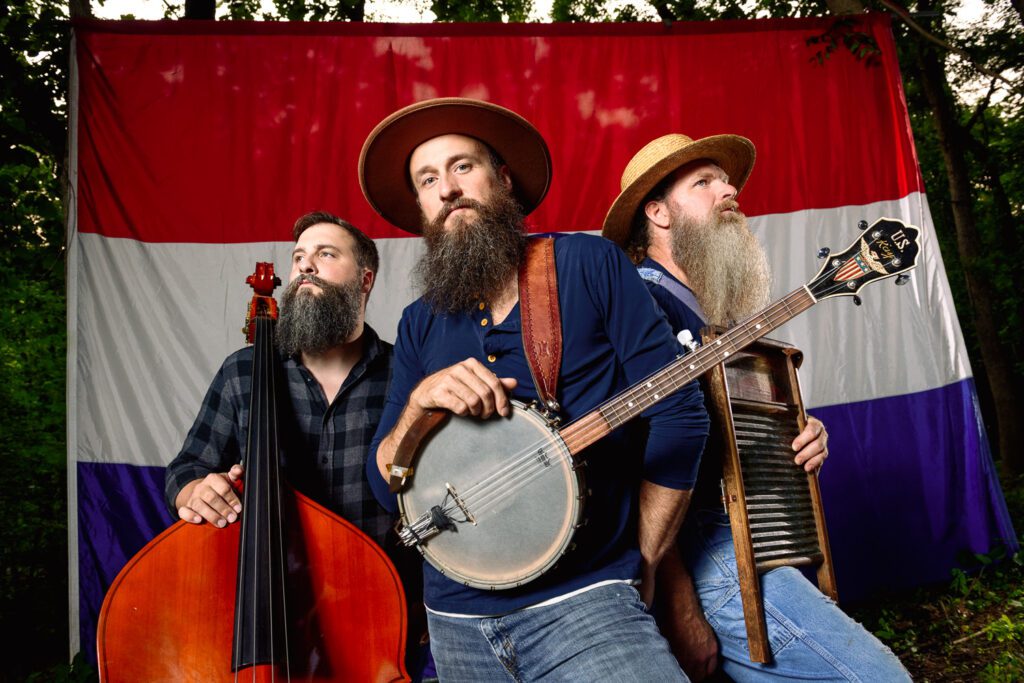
x=384, y=159
x=733, y=153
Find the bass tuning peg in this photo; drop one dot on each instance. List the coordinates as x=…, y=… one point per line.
x=823, y=252
x=856, y=300
x=902, y=279
x=862, y=225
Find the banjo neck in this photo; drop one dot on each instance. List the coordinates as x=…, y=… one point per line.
x=628, y=404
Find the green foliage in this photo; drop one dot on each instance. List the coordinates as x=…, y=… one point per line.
x=587, y=10
x=78, y=671
x=844, y=34
x=972, y=628
x=482, y=10
x=33, y=453
x=889, y=630
x=33, y=462
x=33, y=61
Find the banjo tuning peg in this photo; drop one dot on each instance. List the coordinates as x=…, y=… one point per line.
x=902, y=279
x=862, y=225
x=856, y=300
x=823, y=252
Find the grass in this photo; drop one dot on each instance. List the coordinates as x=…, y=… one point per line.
x=971, y=629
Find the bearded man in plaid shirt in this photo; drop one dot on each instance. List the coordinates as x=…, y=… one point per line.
x=337, y=371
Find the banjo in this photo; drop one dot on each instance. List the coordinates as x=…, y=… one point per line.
x=499, y=518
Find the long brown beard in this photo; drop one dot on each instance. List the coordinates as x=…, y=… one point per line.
x=727, y=267
x=313, y=323
x=474, y=261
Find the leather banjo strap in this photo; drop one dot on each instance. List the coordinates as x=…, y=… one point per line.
x=541, y=318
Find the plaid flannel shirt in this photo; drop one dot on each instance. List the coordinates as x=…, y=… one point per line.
x=323, y=447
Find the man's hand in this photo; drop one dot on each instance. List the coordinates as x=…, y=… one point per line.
x=681, y=619
x=811, y=445
x=213, y=499
x=466, y=388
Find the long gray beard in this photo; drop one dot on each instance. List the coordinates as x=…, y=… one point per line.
x=726, y=265
x=473, y=261
x=313, y=323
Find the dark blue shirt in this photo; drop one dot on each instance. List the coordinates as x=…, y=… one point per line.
x=707, y=494
x=613, y=336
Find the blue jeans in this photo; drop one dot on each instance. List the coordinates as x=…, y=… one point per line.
x=810, y=637
x=600, y=635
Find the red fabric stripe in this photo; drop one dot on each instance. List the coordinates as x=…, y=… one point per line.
x=226, y=132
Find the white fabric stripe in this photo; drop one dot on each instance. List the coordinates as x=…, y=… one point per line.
x=156, y=320
x=154, y=323
x=901, y=340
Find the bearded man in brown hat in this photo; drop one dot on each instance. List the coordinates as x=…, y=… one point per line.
x=465, y=172
x=678, y=219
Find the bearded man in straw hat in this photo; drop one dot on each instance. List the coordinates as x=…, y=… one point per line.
x=678, y=219
x=464, y=173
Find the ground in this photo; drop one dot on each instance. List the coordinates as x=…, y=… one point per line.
x=971, y=629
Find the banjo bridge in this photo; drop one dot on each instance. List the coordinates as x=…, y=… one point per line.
x=461, y=503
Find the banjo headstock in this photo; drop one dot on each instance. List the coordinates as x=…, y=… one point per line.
x=887, y=247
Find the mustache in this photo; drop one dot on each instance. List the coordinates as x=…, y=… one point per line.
x=727, y=205
x=306, y=277
x=460, y=203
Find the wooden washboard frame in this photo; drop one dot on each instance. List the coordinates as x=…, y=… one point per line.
x=774, y=507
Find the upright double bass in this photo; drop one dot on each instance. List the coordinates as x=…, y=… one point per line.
x=290, y=593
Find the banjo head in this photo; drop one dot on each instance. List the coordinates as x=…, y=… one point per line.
x=509, y=487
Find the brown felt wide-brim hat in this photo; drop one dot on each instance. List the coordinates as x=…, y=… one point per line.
x=384, y=160
x=660, y=157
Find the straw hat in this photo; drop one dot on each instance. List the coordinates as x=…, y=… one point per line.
x=384, y=160
x=660, y=157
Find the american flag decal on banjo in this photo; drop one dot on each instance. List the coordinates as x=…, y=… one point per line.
x=860, y=264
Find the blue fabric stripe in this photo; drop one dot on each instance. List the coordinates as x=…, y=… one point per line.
x=909, y=488
x=120, y=509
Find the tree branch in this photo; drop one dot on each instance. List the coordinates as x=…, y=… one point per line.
x=982, y=106
x=903, y=14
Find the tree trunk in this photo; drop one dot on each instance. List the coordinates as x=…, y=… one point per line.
x=998, y=364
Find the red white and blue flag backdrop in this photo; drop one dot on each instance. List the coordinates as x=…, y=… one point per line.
x=196, y=145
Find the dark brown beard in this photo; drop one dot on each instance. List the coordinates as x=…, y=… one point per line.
x=725, y=264
x=474, y=260
x=313, y=323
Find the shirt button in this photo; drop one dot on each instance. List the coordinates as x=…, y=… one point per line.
x=491, y=358
x=482, y=305
x=483, y=323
